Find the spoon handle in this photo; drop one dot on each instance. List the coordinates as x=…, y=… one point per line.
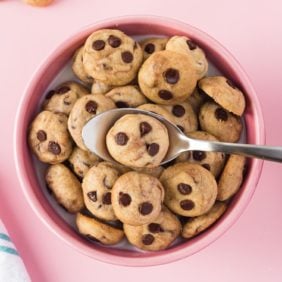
x=254, y=151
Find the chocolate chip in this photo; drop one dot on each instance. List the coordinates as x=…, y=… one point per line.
x=206, y=166
x=221, y=114
x=54, y=148
x=121, y=138
x=231, y=83
x=50, y=94
x=153, y=149
x=155, y=228
x=92, y=196
x=127, y=57
x=181, y=128
x=91, y=238
x=192, y=45
x=171, y=76
x=98, y=45
x=41, y=135
x=199, y=155
x=165, y=94
x=121, y=104
x=114, y=41
x=187, y=205
x=107, y=198
x=149, y=48
x=148, y=239
x=91, y=107
x=184, y=188
x=178, y=110
x=124, y=199
x=144, y=128
x=145, y=208
x=62, y=90
x=66, y=102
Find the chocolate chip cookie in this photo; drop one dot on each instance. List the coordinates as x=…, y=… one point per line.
x=100, y=87
x=152, y=45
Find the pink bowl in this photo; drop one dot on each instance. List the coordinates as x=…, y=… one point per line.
x=29, y=105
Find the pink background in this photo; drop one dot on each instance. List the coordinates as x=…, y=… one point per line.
x=252, y=30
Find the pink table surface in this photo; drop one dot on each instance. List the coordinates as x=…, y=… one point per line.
x=252, y=30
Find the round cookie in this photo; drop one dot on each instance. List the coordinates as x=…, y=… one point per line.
x=222, y=124
x=112, y=57
x=138, y=140
x=157, y=235
x=97, y=185
x=99, y=87
x=167, y=77
x=190, y=189
x=83, y=110
x=65, y=187
x=196, y=225
x=137, y=198
x=49, y=138
x=62, y=99
x=95, y=230
x=127, y=96
x=151, y=45
x=212, y=161
x=186, y=46
x=157, y=109
x=78, y=67
x=225, y=93
x=81, y=161
x=231, y=177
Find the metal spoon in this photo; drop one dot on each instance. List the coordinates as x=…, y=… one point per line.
x=95, y=130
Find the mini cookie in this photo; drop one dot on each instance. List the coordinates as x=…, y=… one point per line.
x=231, y=177
x=190, y=189
x=127, y=96
x=62, y=99
x=99, y=87
x=81, y=161
x=167, y=77
x=224, y=93
x=138, y=140
x=151, y=45
x=98, y=231
x=38, y=3
x=157, y=109
x=137, y=198
x=153, y=171
x=200, y=223
x=49, y=138
x=97, y=186
x=112, y=57
x=186, y=46
x=222, y=124
x=212, y=161
x=65, y=187
x=78, y=67
x=157, y=235
x=197, y=99
x=83, y=110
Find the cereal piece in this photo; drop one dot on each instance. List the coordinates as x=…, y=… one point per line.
x=190, y=189
x=81, y=161
x=99, y=87
x=62, y=99
x=127, y=96
x=65, y=187
x=157, y=235
x=212, y=161
x=97, y=185
x=49, y=138
x=231, y=177
x=167, y=77
x=225, y=93
x=38, y=3
x=222, y=124
x=98, y=231
x=196, y=225
x=83, y=110
x=112, y=57
x=186, y=46
x=137, y=198
x=151, y=45
x=138, y=140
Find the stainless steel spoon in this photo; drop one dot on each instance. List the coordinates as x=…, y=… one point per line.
x=95, y=130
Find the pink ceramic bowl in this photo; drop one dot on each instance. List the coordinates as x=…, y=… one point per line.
x=134, y=25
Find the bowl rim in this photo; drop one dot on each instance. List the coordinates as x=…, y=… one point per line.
x=160, y=257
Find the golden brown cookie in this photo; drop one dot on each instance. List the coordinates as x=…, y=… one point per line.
x=152, y=45
x=38, y=3
x=100, y=87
